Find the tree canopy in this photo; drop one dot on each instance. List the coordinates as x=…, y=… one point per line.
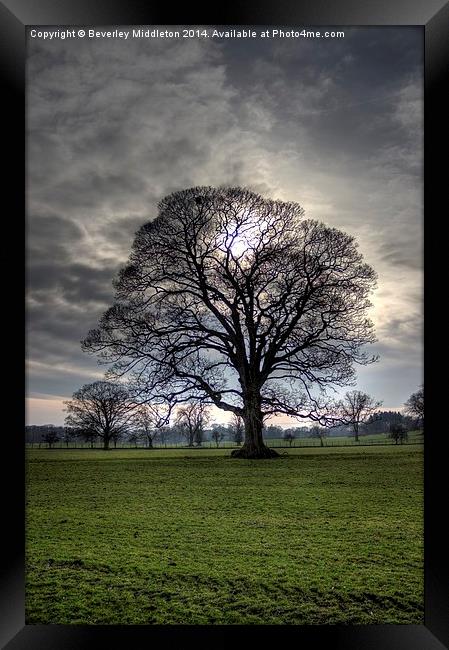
x=241, y=302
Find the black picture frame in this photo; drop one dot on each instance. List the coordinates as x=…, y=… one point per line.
x=15, y=17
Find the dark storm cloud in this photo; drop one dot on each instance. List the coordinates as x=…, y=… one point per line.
x=396, y=254
x=74, y=283
x=113, y=126
x=51, y=236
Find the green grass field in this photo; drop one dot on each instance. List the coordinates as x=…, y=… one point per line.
x=318, y=536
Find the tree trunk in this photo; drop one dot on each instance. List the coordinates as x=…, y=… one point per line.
x=356, y=432
x=254, y=446
x=106, y=442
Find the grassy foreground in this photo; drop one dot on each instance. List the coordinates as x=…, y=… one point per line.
x=318, y=536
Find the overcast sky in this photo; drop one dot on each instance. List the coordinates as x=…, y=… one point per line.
x=115, y=125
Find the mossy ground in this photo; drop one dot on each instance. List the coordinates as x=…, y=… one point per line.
x=318, y=536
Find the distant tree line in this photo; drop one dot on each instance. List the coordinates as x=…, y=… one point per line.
x=384, y=420
x=92, y=423
x=109, y=413
x=145, y=435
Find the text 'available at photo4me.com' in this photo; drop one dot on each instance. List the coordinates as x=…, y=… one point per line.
x=62, y=33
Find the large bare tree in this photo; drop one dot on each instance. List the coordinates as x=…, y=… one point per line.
x=101, y=409
x=242, y=302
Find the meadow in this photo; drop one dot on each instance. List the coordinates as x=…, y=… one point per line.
x=320, y=536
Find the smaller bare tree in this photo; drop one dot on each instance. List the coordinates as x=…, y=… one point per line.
x=217, y=436
x=191, y=421
x=237, y=428
x=319, y=432
x=102, y=409
x=414, y=406
x=149, y=419
x=51, y=437
x=398, y=432
x=68, y=435
x=164, y=434
x=357, y=408
x=289, y=436
x=133, y=438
